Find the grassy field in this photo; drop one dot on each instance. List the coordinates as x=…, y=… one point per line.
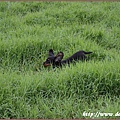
x=29, y=29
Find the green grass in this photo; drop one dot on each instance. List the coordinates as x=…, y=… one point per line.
x=29, y=29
